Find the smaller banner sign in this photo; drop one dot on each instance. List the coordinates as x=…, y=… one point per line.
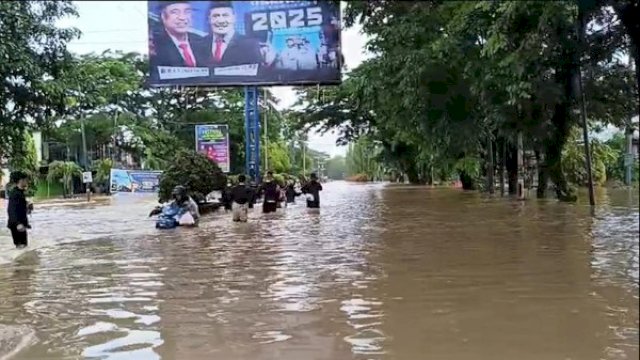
x=213, y=141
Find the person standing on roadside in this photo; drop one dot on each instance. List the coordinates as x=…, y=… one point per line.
x=312, y=190
x=18, y=210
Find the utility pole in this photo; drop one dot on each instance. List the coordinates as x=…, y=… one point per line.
x=304, y=159
x=628, y=157
x=84, y=144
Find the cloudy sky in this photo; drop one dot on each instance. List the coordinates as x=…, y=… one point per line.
x=122, y=25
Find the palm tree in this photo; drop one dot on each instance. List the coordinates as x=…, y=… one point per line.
x=103, y=172
x=64, y=171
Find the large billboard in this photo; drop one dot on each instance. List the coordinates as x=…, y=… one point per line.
x=134, y=181
x=213, y=141
x=234, y=43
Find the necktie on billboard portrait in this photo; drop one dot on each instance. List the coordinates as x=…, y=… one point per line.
x=188, y=59
x=217, y=54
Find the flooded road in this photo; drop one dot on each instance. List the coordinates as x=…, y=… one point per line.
x=382, y=272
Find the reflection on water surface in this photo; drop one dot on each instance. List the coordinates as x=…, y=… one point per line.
x=382, y=272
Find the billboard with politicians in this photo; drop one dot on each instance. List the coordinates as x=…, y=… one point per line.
x=234, y=43
x=213, y=141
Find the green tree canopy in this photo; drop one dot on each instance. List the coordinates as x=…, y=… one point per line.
x=34, y=56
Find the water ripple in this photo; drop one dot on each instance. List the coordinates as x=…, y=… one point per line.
x=381, y=272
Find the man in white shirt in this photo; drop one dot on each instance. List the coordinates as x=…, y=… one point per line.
x=307, y=59
x=288, y=58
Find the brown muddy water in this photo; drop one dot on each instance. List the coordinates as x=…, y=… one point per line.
x=382, y=272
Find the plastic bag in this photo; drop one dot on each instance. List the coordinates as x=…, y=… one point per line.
x=310, y=197
x=186, y=219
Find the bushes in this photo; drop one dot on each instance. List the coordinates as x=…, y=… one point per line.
x=358, y=178
x=199, y=174
x=64, y=171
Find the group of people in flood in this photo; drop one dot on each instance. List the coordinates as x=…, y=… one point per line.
x=182, y=210
x=240, y=198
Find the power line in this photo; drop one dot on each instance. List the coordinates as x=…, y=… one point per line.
x=110, y=42
x=108, y=31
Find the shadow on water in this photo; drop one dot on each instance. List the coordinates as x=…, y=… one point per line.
x=381, y=272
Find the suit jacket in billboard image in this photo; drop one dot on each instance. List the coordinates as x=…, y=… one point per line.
x=168, y=54
x=241, y=50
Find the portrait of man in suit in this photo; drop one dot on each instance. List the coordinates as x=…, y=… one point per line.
x=175, y=45
x=226, y=47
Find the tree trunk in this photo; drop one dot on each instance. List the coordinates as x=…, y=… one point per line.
x=468, y=182
x=501, y=166
x=629, y=12
x=553, y=153
x=491, y=183
x=412, y=175
x=429, y=175
x=511, y=161
x=566, y=75
x=543, y=176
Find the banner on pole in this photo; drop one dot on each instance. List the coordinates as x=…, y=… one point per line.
x=242, y=43
x=134, y=181
x=213, y=141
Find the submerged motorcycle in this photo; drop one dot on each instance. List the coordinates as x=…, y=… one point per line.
x=172, y=215
x=168, y=216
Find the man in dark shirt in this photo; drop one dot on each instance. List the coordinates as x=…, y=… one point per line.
x=271, y=193
x=312, y=190
x=241, y=196
x=225, y=199
x=18, y=209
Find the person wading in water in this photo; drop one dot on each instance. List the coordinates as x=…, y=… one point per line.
x=18, y=210
x=225, y=199
x=241, y=196
x=271, y=194
x=291, y=192
x=312, y=190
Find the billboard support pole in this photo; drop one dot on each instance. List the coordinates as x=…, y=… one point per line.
x=252, y=132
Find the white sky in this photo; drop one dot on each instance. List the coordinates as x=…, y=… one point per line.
x=122, y=25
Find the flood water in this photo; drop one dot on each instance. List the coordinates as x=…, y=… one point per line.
x=382, y=272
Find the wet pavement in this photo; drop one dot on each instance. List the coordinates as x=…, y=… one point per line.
x=381, y=272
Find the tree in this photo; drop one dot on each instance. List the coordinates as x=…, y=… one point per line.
x=453, y=80
x=103, y=172
x=278, y=157
x=64, y=171
x=34, y=55
x=336, y=167
x=199, y=174
x=24, y=158
x=363, y=159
